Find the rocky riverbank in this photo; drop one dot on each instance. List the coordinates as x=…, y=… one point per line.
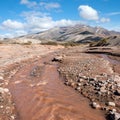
x=94, y=78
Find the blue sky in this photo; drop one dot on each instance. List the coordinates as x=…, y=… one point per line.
x=20, y=17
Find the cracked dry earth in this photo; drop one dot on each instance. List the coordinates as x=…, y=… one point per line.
x=36, y=91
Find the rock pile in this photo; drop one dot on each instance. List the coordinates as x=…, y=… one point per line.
x=94, y=79
x=106, y=91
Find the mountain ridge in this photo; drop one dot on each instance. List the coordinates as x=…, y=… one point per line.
x=78, y=33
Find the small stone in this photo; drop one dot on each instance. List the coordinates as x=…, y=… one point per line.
x=13, y=117
x=95, y=105
x=1, y=106
x=102, y=89
x=57, y=59
x=114, y=110
x=67, y=83
x=84, y=77
x=111, y=104
x=2, y=90
x=72, y=84
x=78, y=88
x=78, y=84
x=117, y=92
x=91, y=79
x=1, y=78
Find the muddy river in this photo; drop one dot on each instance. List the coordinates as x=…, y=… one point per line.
x=39, y=94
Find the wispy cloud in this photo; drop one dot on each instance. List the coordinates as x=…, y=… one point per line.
x=48, y=6
x=104, y=20
x=113, y=13
x=28, y=3
x=40, y=5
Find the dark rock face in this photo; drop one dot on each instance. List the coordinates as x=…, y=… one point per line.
x=110, y=116
x=57, y=59
x=113, y=116
x=117, y=92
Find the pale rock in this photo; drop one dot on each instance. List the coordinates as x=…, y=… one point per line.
x=111, y=104
x=1, y=78
x=2, y=90
x=95, y=105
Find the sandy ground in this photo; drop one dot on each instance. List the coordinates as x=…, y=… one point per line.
x=30, y=83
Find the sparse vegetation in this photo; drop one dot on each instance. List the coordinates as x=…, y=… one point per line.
x=67, y=44
x=27, y=43
x=103, y=42
x=50, y=43
x=15, y=43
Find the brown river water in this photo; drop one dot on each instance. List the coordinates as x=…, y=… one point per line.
x=39, y=94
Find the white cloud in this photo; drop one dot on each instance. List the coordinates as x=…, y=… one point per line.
x=12, y=25
x=49, y=5
x=34, y=22
x=29, y=3
x=6, y=35
x=24, y=2
x=104, y=20
x=88, y=13
x=41, y=5
x=13, y=34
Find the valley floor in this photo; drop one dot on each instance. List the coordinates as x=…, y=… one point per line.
x=55, y=83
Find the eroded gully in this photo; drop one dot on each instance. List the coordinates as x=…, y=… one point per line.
x=39, y=94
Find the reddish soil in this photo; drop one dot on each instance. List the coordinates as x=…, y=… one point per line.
x=37, y=89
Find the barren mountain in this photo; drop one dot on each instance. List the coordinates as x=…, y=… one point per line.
x=78, y=33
